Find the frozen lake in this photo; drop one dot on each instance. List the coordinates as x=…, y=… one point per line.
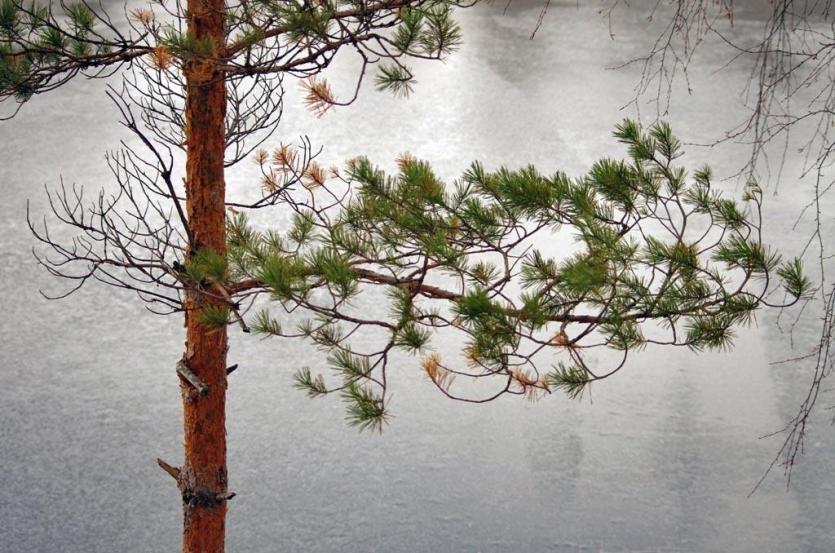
x=663, y=459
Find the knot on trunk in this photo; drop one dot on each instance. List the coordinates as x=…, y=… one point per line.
x=200, y=495
x=204, y=498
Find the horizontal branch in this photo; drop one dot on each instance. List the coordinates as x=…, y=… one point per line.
x=360, y=10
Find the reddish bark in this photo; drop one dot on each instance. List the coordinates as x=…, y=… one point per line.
x=203, y=477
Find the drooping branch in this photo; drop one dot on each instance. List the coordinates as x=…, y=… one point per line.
x=43, y=46
x=658, y=261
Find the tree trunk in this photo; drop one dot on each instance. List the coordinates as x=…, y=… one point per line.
x=203, y=478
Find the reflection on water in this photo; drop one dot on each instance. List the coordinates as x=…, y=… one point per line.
x=661, y=460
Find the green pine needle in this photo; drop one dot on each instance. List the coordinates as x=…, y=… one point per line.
x=395, y=79
x=365, y=410
x=313, y=386
x=571, y=380
x=795, y=282
x=214, y=316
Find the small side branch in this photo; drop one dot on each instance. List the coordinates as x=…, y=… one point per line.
x=231, y=369
x=173, y=471
x=233, y=306
x=191, y=378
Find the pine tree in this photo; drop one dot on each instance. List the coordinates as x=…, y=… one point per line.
x=205, y=77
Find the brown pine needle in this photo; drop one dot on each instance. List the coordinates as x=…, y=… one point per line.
x=314, y=176
x=404, y=160
x=143, y=16
x=319, y=96
x=437, y=373
x=261, y=156
x=161, y=58
x=285, y=157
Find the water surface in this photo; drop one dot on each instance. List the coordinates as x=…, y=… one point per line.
x=662, y=460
